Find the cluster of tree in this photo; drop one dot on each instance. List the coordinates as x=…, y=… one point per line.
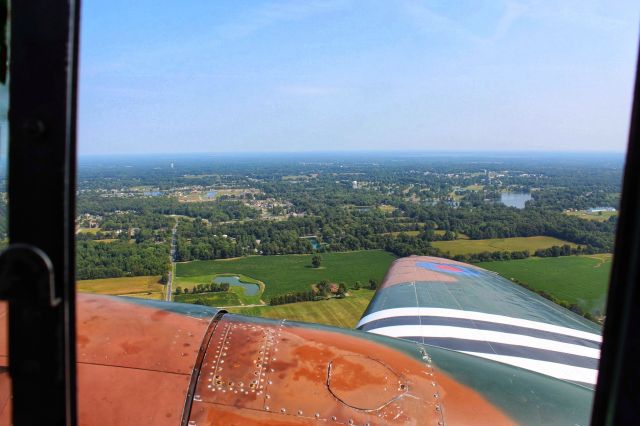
x=498, y=221
x=346, y=229
x=301, y=296
x=120, y=258
x=215, y=211
x=576, y=197
x=554, y=251
x=203, y=288
x=130, y=220
x=487, y=256
x=566, y=250
x=321, y=291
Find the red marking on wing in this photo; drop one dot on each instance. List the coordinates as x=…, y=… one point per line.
x=449, y=268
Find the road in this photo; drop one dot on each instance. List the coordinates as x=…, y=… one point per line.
x=172, y=257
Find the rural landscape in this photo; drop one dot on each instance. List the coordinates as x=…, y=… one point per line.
x=311, y=237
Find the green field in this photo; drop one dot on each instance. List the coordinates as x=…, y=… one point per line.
x=599, y=216
x=498, y=244
x=235, y=296
x=89, y=230
x=147, y=287
x=220, y=299
x=408, y=233
x=583, y=280
x=290, y=273
x=338, y=312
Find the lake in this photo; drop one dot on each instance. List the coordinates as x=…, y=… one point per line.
x=515, y=199
x=249, y=289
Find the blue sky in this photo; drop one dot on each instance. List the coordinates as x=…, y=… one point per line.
x=311, y=75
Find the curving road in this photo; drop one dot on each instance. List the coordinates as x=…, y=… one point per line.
x=172, y=256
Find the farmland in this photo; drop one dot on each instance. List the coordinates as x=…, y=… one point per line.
x=291, y=273
x=498, y=244
x=147, y=287
x=234, y=297
x=219, y=299
x=597, y=216
x=582, y=280
x=338, y=312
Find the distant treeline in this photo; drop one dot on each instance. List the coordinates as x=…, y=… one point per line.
x=121, y=258
x=203, y=288
x=344, y=229
x=554, y=251
x=214, y=211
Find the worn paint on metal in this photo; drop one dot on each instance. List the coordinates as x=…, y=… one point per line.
x=259, y=371
x=136, y=362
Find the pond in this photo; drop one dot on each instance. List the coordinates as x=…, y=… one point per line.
x=152, y=193
x=314, y=243
x=249, y=289
x=515, y=199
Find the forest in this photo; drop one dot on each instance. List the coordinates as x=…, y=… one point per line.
x=320, y=203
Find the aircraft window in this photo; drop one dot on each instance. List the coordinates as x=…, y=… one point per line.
x=4, y=126
x=408, y=173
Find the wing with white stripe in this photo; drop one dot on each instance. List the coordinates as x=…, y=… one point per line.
x=456, y=306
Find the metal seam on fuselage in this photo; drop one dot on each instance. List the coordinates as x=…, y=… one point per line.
x=195, y=374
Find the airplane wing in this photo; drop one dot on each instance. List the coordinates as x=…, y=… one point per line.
x=452, y=305
x=155, y=363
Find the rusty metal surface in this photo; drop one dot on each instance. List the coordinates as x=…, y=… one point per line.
x=136, y=364
x=113, y=332
x=134, y=361
x=259, y=372
x=5, y=395
x=129, y=396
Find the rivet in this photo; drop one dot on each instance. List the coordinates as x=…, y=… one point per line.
x=333, y=418
x=299, y=412
x=283, y=410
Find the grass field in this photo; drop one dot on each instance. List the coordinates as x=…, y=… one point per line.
x=219, y=299
x=409, y=233
x=89, y=230
x=583, y=280
x=497, y=244
x=474, y=188
x=386, y=208
x=235, y=296
x=599, y=216
x=147, y=287
x=338, y=312
x=291, y=273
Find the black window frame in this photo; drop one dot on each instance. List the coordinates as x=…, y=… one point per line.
x=41, y=259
